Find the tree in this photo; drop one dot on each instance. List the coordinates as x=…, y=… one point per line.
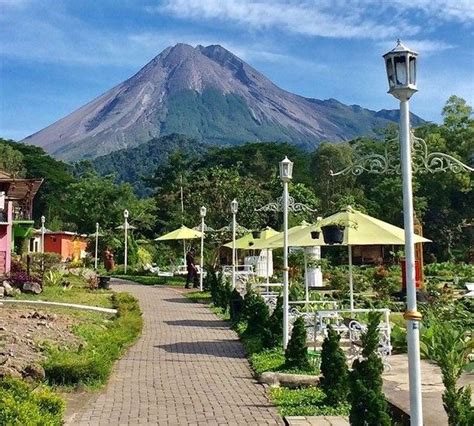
x=335, y=374
x=11, y=160
x=49, y=200
x=296, y=353
x=98, y=199
x=368, y=404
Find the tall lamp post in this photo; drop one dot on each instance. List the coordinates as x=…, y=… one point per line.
x=286, y=173
x=125, y=227
x=43, y=229
x=96, y=244
x=401, y=73
x=203, y=215
x=234, y=207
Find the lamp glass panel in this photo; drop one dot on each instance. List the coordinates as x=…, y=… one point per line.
x=401, y=70
x=412, y=62
x=390, y=73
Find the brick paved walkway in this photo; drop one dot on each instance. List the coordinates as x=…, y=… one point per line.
x=188, y=368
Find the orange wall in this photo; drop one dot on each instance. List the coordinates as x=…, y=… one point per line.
x=68, y=246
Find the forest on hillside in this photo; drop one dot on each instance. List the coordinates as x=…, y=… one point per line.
x=147, y=181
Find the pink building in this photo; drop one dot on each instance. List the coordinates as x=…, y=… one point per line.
x=6, y=223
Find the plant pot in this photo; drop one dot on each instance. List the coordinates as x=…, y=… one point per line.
x=256, y=234
x=104, y=283
x=333, y=234
x=315, y=234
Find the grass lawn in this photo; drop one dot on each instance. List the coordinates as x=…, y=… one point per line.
x=199, y=296
x=105, y=339
x=153, y=280
x=274, y=360
x=304, y=402
x=78, y=293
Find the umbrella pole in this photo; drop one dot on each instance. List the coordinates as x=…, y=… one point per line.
x=268, y=270
x=184, y=252
x=306, y=284
x=351, y=283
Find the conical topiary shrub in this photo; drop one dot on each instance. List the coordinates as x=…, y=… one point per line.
x=335, y=373
x=368, y=404
x=296, y=353
x=276, y=323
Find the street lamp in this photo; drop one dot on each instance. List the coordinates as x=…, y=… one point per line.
x=125, y=227
x=96, y=244
x=234, y=207
x=43, y=220
x=43, y=229
x=401, y=73
x=286, y=173
x=203, y=215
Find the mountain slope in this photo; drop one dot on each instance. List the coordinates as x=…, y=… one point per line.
x=206, y=93
x=132, y=165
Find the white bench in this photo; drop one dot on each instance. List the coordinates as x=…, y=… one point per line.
x=470, y=290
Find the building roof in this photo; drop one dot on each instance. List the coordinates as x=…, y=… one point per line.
x=19, y=189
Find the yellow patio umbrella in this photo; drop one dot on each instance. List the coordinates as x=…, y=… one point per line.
x=298, y=236
x=248, y=242
x=184, y=233
x=362, y=229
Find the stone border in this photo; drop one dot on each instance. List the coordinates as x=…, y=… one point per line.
x=64, y=305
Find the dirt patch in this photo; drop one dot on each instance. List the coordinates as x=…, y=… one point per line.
x=24, y=333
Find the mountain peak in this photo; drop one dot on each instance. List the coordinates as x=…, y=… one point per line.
x=205, y=92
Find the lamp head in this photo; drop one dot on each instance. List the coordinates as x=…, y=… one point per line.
x=125, y=214
x=400, y=65
x=286, y=170
x=43, y=220
x=234, y=206
x=203, y=211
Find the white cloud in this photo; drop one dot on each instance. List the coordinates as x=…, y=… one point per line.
x=362, y=19
x=324, y=18
x=424, y=47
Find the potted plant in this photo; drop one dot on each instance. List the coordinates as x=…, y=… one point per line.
x=333, y=234
x=256, y=234
x=315, y=234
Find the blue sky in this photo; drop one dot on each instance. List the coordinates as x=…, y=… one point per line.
x=55, y=56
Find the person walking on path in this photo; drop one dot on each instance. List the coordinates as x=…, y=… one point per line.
x=192, y=269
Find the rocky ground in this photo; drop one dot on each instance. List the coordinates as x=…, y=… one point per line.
x=24, y=333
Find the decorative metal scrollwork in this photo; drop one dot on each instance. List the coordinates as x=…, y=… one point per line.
x=277, y=206
x=389, y=163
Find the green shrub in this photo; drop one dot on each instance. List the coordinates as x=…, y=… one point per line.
x=296, y=353
x=236, y=305
x=334, y=381
x=368, y=404
x=449, y=346
x=20, y=405
x=258, y=318
x=219, y=287
x=91, y=363
x=276, y=323
x=52, y=278
x=49, y=260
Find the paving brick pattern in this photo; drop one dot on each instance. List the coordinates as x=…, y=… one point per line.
x=187, y=368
